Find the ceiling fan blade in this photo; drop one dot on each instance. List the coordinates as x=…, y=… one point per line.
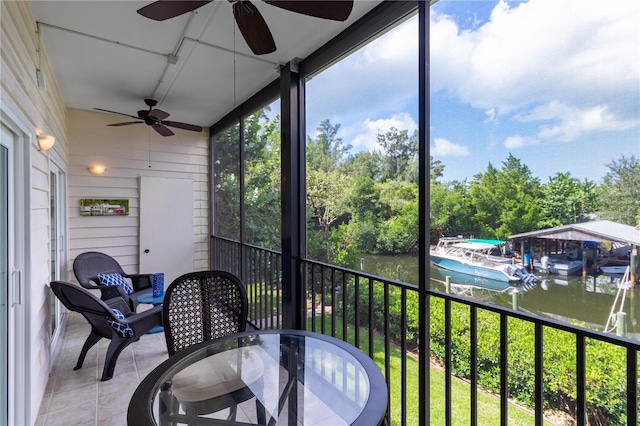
x=167, y=9
x=157, y=114
x=184, y=126
x=164, y=131
x=253, y=28
x=124, y=124
x=114, y=112
x=336, y=10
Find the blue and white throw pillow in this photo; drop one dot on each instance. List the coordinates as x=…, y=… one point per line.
x=115, y=279
x=123, y=330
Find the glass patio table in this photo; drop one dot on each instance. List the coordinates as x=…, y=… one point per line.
x=307, y=379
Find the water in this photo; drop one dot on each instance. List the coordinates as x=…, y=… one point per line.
x=573, y=299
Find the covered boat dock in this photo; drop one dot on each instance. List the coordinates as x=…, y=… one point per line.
x=599, y=231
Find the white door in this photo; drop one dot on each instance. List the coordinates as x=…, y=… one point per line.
x=12, y=366
x=6, y=196
x=167, y=244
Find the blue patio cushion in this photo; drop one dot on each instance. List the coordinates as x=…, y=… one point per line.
x=123, y=330
x=115, y=279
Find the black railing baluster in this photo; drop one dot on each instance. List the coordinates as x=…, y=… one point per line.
x=387, y=348
x=345, y=322
x=323, y=296
x=539, y=375
x=581, y=380
x=356, y=307
x=371, y=325
x=632, y=387
x=504, y=371
x=403, y=350
x=333, y=302
x=447, y=362
x=473, y=342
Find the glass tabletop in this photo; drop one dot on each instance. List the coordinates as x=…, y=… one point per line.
x=294, y=377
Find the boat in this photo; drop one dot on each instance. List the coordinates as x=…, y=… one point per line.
x=558, y=265
x=473, y=258
x=614, y=271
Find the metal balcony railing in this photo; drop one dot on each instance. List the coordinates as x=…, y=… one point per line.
x=380, y=316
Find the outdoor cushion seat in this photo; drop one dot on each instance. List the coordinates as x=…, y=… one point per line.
x=110, y=320
x=88, y=267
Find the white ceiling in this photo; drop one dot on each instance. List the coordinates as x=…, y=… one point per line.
x=105, y=55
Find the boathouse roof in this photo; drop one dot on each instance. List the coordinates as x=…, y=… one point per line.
x=598, y=230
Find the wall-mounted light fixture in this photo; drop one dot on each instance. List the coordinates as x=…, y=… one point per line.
x=46, y=142
x=97, y=169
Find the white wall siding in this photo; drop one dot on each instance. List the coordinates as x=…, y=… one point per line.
x=37, y=111
x=129, y=152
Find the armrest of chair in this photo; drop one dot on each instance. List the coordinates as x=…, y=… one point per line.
x=140, y=281
x=155, y=311
x=120, y=304
x=144, y=321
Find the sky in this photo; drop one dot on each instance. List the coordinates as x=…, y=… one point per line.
x=555, y=83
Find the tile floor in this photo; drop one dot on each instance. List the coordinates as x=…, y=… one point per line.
x=79, y=397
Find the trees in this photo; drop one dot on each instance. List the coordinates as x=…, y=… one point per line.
x=620, y=194
x=505, y=200
x=566, y=200
x=368, y=202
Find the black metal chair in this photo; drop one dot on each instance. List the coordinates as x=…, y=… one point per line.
x=88, y=265
x=122, y=326
x=201, y=306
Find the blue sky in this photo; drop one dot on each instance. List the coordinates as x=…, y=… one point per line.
x=556, y=83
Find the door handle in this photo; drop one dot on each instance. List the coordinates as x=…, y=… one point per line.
x=17, y=288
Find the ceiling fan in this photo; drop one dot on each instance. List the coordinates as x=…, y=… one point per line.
x=252, y=25
x=154, y=118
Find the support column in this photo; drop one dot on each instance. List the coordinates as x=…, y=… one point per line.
x=293, y=209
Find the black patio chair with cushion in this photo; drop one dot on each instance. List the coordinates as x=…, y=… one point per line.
x=99, y=271
x=111, y=319
x=201, y=306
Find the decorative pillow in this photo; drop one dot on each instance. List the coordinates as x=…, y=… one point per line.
x=123, y=330
x=115, y=279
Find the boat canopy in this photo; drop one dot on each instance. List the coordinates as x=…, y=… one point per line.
x=482, y=240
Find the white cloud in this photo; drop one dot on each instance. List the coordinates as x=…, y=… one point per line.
x=518, y=141
x=444, y=148
x=539, y=51
x=570, y=122
x=363, y=135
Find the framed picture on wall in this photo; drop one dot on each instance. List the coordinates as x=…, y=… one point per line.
x=104, y=207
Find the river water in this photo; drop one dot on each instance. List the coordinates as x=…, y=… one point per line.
x=573, y=299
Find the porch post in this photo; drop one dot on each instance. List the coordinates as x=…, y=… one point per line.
x=423, y=213
x=293, y=211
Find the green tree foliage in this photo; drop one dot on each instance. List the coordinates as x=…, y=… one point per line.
x=226, y=181
x=506, y=200
x=436, y=168
x=451, y=212
x=368, y=202
x=327, y=201
x=399, y=154
x=620, y=195
x=262, y=181
x=327, y=150
x=566, y=200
